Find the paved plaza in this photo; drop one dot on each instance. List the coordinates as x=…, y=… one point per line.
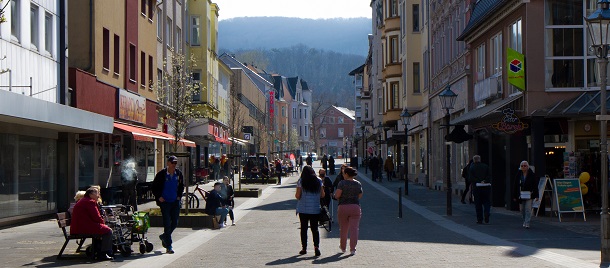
x=267, y=234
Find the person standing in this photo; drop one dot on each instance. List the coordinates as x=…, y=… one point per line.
x=349, y=192
x=216, y=168
x=309, y=160
x=167, y=187
x=278, y=171
x=388, y=166
x=480, y=176
x=525, y=188
x=328, y=188
x=309, y=192
x=331, y=165
x=129, y=184
x=467, y=188
x=374, y=164
x=324, y=162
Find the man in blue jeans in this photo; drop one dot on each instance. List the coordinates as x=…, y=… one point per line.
x=168, y=187
x=215, y=205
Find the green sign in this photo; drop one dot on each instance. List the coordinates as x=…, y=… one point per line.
x=568, y=195
x=515, y=62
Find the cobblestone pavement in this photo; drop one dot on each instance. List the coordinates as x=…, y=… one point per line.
x=267, y=234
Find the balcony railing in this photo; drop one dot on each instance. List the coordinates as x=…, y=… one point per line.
x=490, y=87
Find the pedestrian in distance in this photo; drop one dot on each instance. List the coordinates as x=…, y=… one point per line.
x=328, y=187
x=229, y=201
x=374, y=164
x=468, y=187
x=216, y=169
x=309, y=160
x=215, y=204
x=388, y=166
x=331, y=165
x=168, y=187
x=339, y=177
x=86, y=219
x=479, y=175
x=278, y=171
x=324, y=162
x=129, y=184
x=525, y=189
x=308, y=194
x=349, y=192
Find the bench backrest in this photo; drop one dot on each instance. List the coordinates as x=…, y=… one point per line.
x=63, y=221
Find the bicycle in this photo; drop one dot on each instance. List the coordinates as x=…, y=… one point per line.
x=192, y=201
x=326, y=219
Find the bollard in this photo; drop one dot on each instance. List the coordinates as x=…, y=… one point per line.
x=399, y=202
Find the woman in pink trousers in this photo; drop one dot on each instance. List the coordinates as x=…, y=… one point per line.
x=349, y=192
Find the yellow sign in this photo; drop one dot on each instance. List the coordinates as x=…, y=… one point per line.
x=132, y=107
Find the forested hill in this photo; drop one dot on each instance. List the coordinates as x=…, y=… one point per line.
x=326, y=72
x=347, y=36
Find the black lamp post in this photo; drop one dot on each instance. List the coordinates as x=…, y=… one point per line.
x=379, y=131
x=447, y=98
x=598, y=24
x=405, y=116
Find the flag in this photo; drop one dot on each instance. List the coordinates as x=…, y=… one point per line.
x=516, y=68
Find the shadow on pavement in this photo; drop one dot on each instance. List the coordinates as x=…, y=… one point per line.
x=79, y=259
x=332, y=258
x=289, y=260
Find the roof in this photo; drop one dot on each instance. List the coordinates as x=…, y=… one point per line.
x=304, y=85
x=292, y=86
x=482, y=10
x=358, y=70
x=258, y=80
x=586, y=104
x=349, y=113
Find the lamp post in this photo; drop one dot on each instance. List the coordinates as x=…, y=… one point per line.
x=379, y=171
x=405, y=116
x=598, y=24
x=447, y=98
x=379, y=131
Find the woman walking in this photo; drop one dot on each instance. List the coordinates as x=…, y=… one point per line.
x=525, y=188
x=309, y=192
x=349, y=192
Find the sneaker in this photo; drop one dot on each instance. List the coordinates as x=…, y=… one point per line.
x=353, y=252
x=233, y=224
x=318, y=252
x=222, y=225
x=162, y=241
x=527, y=226
x=303, y=252
x=342, y=250
x=169, y=251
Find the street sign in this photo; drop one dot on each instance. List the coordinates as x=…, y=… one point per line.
x=247, y=136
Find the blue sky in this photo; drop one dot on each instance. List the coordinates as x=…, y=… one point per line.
x=312, y=9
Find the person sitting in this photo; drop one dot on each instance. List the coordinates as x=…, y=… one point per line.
x=79, y=195
x=215, y=205
x=86, y=219
x=265, y=174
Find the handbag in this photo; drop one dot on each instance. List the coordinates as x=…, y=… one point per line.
x=525, y=195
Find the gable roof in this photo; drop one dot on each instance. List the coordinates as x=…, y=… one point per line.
x=347, y=112
x=258, y=80
x=482, y=10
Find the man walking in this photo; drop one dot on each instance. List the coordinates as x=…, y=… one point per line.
x=309, y=160
x=374, y=165
x=480, y=177
x=168, y=187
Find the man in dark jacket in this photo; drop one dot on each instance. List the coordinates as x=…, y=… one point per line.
x=167, y=187
x=215, y=205
x=374, y=165
x=479, y=175
x=309, y=160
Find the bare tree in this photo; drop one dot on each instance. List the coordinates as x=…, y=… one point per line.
x=294, y=140
x=175, y=94
x=317, y=107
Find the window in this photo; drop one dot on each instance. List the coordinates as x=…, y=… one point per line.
x=294, y=113
x=379, y=104
x=132, y=63
x=340, y=132
x=284, y=111
x=150, y=9
x=415, y=18
x=117, y=49
x=340, y=120
x=159, y=25
x=143, y=7
x=480, y=62
x=305, y=113
x=394, y=96
x=142, y=69
x=151, y=81
x=48, y=33
x=195, y=31
x=366, y=110
x=322, y=132
x=208, y=36
x=393, y=8
x=196, y=81
x=106, y=49
x=34, y=26
x=16, y=19
x=496, y=53
x=178, y=39
x=514, y=41
x=168, y=32
x=306, y=128
x=416, y=83
x=394, y=49
x=300, y=130
x=300, y=113
x=159, y=78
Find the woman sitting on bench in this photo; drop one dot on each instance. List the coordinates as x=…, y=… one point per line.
x=86, y=219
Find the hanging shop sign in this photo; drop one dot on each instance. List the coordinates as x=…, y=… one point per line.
x=510, y=123
x=132, y=107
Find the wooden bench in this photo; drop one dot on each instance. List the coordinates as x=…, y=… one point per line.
x=63, y=221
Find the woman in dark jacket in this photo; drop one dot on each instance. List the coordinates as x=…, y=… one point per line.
x=525, y=182
x=86, y=219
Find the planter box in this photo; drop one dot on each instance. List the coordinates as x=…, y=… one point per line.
x=196, y=219
x=254, y=192
x=272, y=180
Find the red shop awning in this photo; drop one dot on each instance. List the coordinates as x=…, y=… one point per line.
x=145, y=134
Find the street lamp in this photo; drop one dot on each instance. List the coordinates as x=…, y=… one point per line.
x=448, y=98
x=405, y=116
x=379, y=131
x=598, y=24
